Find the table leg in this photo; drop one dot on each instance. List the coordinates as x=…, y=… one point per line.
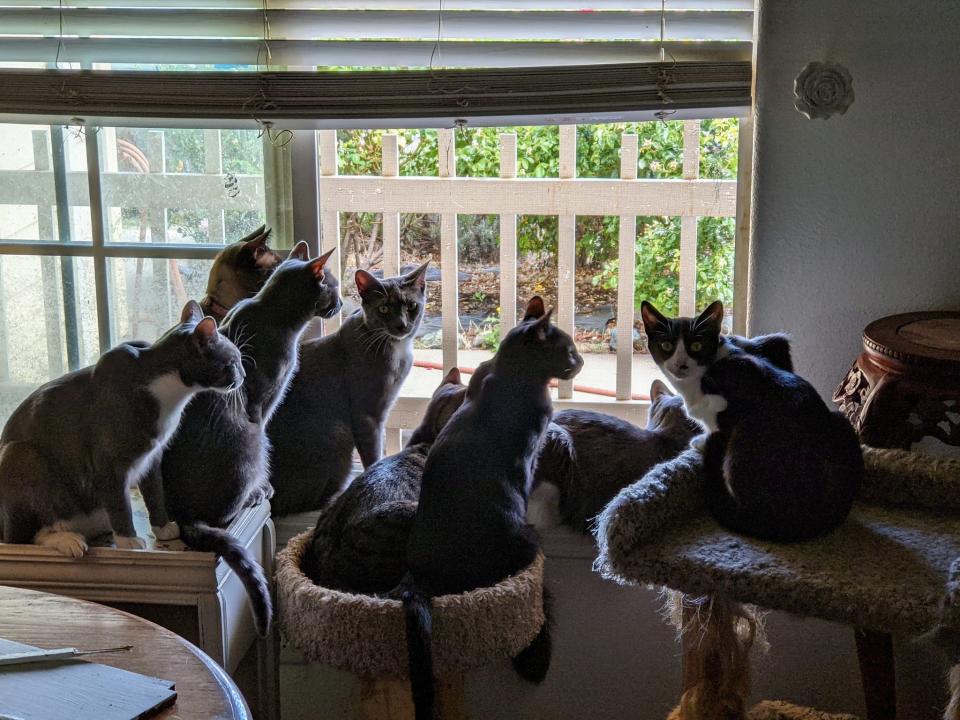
x=875, y=654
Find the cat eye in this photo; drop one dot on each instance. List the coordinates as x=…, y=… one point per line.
x=696, y=346
x=383, y=310
x=666, y=346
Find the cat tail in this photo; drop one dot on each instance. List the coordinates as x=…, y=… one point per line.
x=533, y=662
x=418, y=616
x=203, y=537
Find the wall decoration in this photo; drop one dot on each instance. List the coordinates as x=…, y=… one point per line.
x=822, y=90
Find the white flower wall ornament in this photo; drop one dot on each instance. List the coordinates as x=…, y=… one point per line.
x=822, y=90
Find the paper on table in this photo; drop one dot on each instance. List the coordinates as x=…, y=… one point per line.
x=77, y=690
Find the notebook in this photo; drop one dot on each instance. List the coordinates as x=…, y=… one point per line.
x=77, y=690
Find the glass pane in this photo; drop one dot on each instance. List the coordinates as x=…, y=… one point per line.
x=147, y=295
x=48, y=323
x=43, y=168
x=181, y=185
x=478, y=245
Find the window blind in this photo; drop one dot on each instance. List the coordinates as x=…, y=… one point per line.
x=472, y=58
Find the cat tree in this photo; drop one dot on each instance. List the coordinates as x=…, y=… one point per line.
x=365, y=635
x=892, y=568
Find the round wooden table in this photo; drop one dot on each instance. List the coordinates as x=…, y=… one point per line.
x=906, y=383
x=204, y=691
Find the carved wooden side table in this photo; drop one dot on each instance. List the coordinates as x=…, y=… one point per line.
x=906, y=383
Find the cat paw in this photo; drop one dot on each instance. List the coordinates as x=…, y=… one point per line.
x=699, y=443
x=129, y=543
x=69, y=544
x=170, y=531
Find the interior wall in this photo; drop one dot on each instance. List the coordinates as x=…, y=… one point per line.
x=855, y=217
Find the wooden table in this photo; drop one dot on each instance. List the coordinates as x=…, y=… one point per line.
x=905, y=385
x=204, y=691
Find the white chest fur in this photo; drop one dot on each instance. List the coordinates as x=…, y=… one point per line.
x=701, y=407
x=172, y=396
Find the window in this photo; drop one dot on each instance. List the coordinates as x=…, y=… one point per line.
x=595, y=161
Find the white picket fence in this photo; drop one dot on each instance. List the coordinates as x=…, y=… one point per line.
x=508, y=196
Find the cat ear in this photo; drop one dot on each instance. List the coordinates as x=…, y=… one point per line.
x=317, y=264
x=541, y=325
x=262, y=230
x=301, y=251
x=418, y=277
x=534, y=308
x=452, y=377
x=205, y=330
x=659, y=389
x=191, y=312
x=713, y=315
x=367, y=283
x=651, y=316
x=255, y=247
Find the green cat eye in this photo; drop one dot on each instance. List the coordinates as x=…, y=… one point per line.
x=666, y=346
x=696, y=346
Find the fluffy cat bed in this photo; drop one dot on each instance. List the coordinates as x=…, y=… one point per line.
x=894, y=566
x=778, y=710
x=365, y=635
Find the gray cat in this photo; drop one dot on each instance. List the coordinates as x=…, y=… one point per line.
x=588, y=457
x=340, y=397
x=217, y=463
x=72, y=449
x=360, y=541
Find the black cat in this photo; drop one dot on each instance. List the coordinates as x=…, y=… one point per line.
x=70, y=452
x=340, y=397
x=217, y=463
x=588, y=457
x=779, y=464
x=360, y=541
x=470, y=530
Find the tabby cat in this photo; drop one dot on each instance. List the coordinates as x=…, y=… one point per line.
x=217, y=463
x=71, y=451
x=588, y=457
x=340, y=397
x=239, y=271
x=360, y=541
x=469, y=529
x=779, y=464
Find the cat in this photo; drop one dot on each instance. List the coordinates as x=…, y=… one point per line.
x=588, y=457
x=216, y=465
x=683, y=348
x=469, y=530
x=360, y=541
x=778, y=463
x=238, y=272
x=71, y=451
x=340, y=397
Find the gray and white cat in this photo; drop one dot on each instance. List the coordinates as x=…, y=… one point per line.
x=340, y=397
x=71, y=451
x=588, y=457
x=217, y=463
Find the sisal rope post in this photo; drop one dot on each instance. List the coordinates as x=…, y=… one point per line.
x=717, y=636
x=953, y=707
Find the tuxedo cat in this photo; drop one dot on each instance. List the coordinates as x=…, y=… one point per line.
x=779, y=464
x=588, y=457
x=217, y=463
x=340, y=397
x=71, y=451
x=685, y=347
x=470, y=526
x=360, y=541
x=238, y=272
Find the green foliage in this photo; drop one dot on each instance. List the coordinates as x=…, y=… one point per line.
x=659, y=156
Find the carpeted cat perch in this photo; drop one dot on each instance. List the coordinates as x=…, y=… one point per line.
x=365, y=635
x=892, y=568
